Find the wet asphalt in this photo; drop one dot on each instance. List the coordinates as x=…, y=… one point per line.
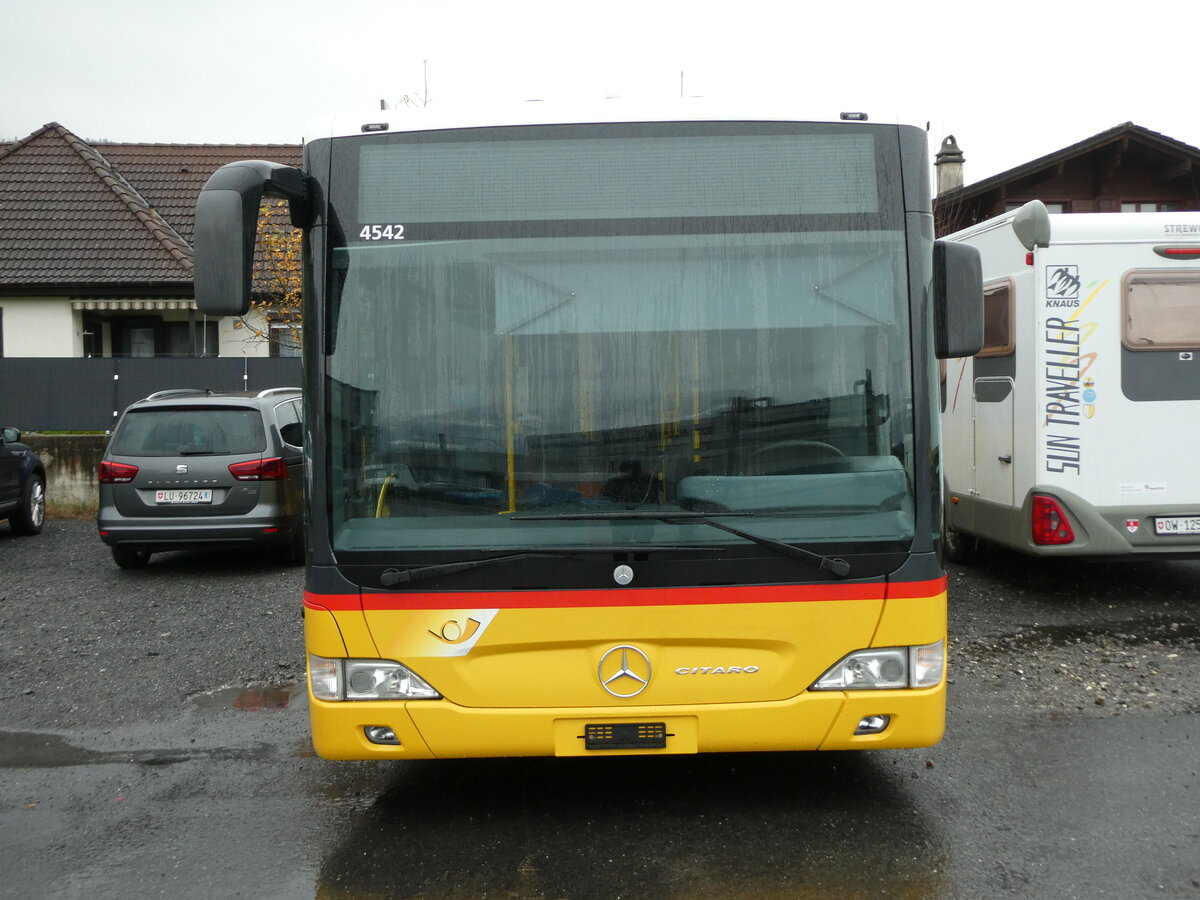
x=153, y=741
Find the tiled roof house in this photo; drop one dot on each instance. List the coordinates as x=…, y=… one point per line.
x=95, y=247
x=1127, y=168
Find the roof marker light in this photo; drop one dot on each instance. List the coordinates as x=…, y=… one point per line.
x=854, y=117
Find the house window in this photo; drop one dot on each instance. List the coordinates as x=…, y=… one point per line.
x=93, y=335
x=998, y=319
x=285, y=339
x=139, y=341
x=148, y=336
x=1051, y=206
x=191, y=339
x=1161, y=310
x=1138, y=206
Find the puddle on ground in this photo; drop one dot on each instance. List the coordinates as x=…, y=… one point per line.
x=28, y=749
x=253, y=697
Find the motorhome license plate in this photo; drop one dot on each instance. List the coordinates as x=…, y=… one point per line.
x=196, y=496
x=1177, y=525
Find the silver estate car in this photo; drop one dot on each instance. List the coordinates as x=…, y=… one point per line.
x=193, y=469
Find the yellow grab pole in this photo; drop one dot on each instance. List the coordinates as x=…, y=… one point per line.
x=510, y=424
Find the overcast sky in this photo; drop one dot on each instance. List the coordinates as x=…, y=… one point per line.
x=1011, y=81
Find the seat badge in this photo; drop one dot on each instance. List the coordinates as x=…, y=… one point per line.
x=181, y=469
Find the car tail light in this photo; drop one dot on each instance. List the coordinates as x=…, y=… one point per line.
x=116, y=473
x=1050, y=525
x=271, y=469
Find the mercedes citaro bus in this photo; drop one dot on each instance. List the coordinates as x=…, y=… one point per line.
x=622, y=432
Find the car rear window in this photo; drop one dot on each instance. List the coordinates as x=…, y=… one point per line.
x=194, y=431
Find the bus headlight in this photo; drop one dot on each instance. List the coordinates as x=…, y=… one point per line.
x=366, y=679
x=888, y=668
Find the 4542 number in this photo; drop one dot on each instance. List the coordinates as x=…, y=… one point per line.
x=382, y=233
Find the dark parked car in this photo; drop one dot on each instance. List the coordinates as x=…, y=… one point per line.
x=191, y=469
x=22, y=484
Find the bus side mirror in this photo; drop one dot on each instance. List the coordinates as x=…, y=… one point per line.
x=227, y=225
x=957, y=300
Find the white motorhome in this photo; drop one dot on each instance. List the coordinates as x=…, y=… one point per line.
x=1076, y=430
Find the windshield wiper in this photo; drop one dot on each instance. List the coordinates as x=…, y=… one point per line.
x=393, y=577
x=833, y=565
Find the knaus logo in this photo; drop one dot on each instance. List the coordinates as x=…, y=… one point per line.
x=1062, y=285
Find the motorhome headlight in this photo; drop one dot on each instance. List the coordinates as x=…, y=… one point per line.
x=887, y=668
x=366, y=679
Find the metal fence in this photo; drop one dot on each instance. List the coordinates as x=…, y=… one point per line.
x=89, y=394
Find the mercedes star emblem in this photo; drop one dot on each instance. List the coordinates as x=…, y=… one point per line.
x=624, y=671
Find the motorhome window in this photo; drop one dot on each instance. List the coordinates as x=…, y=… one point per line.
x=1161, y=310
x=997, y=319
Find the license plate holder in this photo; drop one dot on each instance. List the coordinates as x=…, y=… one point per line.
x=625, y=736
x=1177, y=525
x=166, y=498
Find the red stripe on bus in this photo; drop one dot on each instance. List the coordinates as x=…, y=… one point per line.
x=808, y=593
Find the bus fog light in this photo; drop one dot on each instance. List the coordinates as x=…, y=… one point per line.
x=381, y=734
x=872, y=724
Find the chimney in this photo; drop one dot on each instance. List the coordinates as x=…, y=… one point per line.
x=949, y=166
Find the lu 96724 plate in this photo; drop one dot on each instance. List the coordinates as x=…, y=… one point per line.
x=184, y=496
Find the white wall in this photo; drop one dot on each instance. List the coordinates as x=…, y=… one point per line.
x=237, y=339
x=50, y=327
x=41, y=326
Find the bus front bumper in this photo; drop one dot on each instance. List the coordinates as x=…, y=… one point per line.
x=433, y=729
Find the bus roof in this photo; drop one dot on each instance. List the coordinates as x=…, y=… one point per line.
x=438, y=118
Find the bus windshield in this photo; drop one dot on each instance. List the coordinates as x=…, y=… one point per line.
x=538, y=336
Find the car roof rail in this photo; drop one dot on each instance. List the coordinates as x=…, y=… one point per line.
x=179, y=392
x=279, y=390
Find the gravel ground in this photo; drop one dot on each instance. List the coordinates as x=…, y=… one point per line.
x=85, y=644
x=1075, y=638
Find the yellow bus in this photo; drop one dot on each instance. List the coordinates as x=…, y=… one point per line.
x=621, y=427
